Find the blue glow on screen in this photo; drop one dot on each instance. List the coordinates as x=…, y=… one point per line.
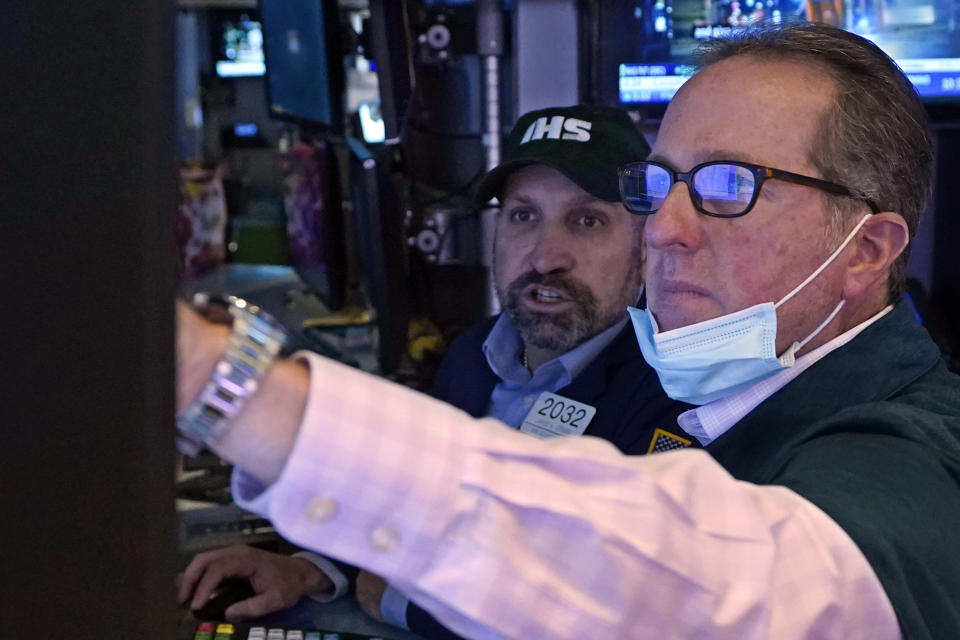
x=920, y=35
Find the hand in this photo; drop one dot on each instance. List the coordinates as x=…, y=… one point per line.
x=370, y=590
x=278, y=580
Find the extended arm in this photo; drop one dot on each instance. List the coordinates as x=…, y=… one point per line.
x=577, y=539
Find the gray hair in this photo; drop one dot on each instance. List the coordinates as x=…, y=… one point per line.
x=876, y=139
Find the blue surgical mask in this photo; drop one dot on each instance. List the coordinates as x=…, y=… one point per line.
x=708, y=360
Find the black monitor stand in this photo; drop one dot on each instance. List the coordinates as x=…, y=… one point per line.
x=381, y=246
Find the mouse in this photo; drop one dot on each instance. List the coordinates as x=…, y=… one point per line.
x=227, y=592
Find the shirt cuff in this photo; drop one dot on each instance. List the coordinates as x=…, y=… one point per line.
x=393, y=607
x=340, y=583
x=249, y=493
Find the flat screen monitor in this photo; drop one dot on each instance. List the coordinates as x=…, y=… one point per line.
x=304, y=61
x=378, y=222
x=239, y=39
x=647, y=45
x=389, y=53
x=315, y=226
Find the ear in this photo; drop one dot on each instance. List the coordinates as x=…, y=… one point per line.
x=880, y=242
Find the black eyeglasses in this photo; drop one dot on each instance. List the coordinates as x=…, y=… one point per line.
x=723, y=189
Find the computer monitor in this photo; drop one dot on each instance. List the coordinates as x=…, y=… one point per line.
x=304, y=62
x=390, y=52
x=645, y=50
x=239, y=43
x=315, y=225
x=381, y=249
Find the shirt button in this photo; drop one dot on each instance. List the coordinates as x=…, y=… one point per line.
x=384, y=539
x=527, y=400
x=321, y=509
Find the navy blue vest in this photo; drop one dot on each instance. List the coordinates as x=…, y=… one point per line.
x=631, y=405
x=633, y=412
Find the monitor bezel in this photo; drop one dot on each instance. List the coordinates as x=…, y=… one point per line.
x=377, y=214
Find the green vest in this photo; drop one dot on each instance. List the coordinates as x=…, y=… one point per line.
x=871, y=435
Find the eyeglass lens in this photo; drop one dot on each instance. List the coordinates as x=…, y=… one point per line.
x=724, y=189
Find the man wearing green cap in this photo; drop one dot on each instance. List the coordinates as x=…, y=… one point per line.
x=567, y=262
x=560, y=360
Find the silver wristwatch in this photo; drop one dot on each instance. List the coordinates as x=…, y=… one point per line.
x=254, y=343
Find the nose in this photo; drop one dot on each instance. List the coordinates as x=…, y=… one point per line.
x=676, y=226
x=552, y=250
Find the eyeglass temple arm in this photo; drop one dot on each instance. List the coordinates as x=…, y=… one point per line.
x=830, y=187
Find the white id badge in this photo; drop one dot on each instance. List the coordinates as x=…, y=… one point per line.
x=554, y=415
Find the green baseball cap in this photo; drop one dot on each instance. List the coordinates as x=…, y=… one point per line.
x=586, y=143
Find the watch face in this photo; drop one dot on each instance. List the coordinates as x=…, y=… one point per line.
x=216, y=312
x=214, y=308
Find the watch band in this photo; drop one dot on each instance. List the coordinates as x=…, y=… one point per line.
x=254, y=343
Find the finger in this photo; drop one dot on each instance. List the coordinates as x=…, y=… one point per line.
x=207, y=584
x=232, y=562
x=184, y=589
x=255, y=607
x=196, y=569
x=189, y=577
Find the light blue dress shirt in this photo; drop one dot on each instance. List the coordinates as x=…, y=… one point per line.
x=518, y=389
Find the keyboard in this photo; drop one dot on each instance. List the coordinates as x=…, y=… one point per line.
x=225, y=631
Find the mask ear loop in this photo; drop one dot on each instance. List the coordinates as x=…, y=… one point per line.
x=787, y=359
x=833, y=256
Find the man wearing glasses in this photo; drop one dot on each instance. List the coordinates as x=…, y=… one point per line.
x=827, y=501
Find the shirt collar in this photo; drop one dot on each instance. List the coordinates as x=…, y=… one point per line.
x=502, y=350
x=503, y=346
x=708, y=422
